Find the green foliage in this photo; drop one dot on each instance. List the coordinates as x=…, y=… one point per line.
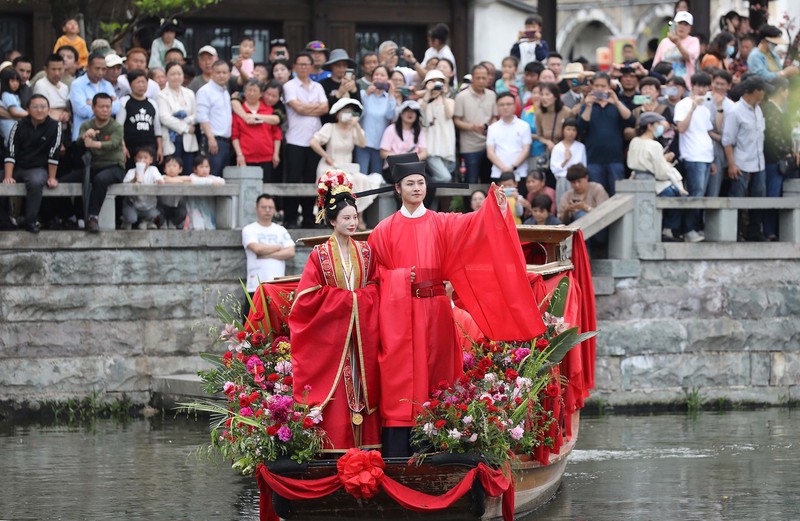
x=694, y=401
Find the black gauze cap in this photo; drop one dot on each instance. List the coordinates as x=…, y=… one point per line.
x=406, y=169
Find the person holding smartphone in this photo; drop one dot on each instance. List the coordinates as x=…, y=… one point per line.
x=603, y=117
x=582, y=198
x=679, y=47
x=529, y=46
x=342, y=81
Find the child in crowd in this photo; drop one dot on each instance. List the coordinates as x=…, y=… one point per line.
x=535, y=185
x=202, y=210
x=71, y=37
x=172, y=207
x=142, y=208
x=508, y=81
x=540, y=211
x=166, y=40
x=566, y=153
x=10, y=83
x=509, y=185
x=244, y=63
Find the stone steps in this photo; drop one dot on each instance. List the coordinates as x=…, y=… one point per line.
x=606, y=272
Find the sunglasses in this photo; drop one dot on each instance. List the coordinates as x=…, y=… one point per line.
x=277, y=41
x=316, y=46
x=576, y=82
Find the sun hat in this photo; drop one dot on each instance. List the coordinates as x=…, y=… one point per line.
x=344, y=102
x=684, y=16
x=435, y=74
x=338, y=55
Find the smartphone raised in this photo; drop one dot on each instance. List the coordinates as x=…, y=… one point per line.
x=234, y=52
x=530, y=35
x=600, y=94
x=349, y=74
x=641, y=99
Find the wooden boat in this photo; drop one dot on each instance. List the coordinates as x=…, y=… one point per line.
x=534, y=483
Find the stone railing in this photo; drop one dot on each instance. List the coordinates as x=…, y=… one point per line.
x=235, y=200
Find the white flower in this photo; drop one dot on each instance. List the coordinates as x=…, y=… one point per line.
x=467, y=420
x=490, y=377
x=473, y=438
x=487, y=395
x=227, y=386
x=229, y=332
x=284, y=367
x=315, y=413
x=454, y=433
x=429, y=430
x=557, y=322
x=517, y=432
x=523, y=383
x=426, y=405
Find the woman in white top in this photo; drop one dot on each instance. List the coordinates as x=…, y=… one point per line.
x=647, y=159
x=177, y=109
x=440, y=131
x=335, y=143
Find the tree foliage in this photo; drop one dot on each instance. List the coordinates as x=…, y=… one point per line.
x=115, y=20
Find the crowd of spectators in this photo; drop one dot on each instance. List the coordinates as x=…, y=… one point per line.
x=702, y=120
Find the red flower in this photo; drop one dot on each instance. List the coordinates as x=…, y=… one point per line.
x=241, y=335
x=258, y=316
x=361, y=472
x=552, y=390
x=227, y=358
x=308, y=422
x=542, y=344
x=272, y=430
x=228, y=422
x=254, y=396
x=439, y=424
x=244, y=401
x=273, y=377
x=434, y=404
x=288, y=380
x=511, y=374
x=258, y=339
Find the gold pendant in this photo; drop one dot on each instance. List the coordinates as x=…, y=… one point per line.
x=357, y=419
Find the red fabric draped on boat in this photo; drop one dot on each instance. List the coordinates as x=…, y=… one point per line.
x=495, y=483
x=276, y=313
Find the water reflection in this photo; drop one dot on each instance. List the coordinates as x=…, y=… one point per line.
x=734, y=466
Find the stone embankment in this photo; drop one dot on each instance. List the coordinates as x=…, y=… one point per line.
x=115, y=313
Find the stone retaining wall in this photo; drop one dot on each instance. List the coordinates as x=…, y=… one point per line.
x=105, y=315
x=728, y=328
x=82, y=314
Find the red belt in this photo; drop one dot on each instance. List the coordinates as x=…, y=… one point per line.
x=428, y=289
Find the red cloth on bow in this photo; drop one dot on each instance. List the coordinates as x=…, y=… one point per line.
x=361, y=473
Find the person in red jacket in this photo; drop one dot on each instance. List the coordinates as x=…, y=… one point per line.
x=257, y=137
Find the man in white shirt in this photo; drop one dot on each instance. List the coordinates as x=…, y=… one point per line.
x=693, y=120
x=267, y=246
x=137, y=59
x=56, y=92
x=215, y=117
x=508, y=140
x=305, y=102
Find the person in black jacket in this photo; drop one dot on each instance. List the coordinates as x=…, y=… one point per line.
x=32, y=158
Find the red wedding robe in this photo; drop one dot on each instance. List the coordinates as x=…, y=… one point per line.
x=332, y=326
x=479, y=253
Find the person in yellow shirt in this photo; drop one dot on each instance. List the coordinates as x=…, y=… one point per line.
x=72, y=38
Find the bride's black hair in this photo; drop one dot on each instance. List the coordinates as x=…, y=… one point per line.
x=341, y=200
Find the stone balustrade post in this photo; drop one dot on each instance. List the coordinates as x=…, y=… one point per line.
x=789, y=220
x=249, y=179
x=646, y=223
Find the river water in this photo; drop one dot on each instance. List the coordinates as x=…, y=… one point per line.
x=717, y=466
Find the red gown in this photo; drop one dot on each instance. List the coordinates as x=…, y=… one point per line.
x=479, y=253
x=335, y=342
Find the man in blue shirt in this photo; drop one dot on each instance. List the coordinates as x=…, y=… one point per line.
x=215, y=117
x=83, y=90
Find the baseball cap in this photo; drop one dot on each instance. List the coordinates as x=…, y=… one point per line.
x=112, y=60
x=684, y=16
x=208, y=49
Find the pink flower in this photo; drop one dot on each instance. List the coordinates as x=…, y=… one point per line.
x=246, y=411
x=284, y=433
x=517, y=432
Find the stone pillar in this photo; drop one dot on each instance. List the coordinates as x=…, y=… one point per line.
x=646, y=218
x=789, y=220
x=107, y=219
x=249, y=179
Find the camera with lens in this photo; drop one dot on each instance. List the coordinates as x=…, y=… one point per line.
x=438, y=85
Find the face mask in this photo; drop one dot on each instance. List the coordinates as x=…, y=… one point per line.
x=771, y=46
x=731, y=50
x=346, y=116
x=659, y=131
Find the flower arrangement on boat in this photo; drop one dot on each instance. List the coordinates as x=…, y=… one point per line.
x=500, y=408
